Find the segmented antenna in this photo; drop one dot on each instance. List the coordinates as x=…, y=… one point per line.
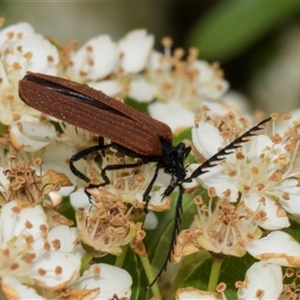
x=219, y=156
x=211, y=162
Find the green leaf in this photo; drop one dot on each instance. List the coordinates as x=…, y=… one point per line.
x=189, y=265
x=3, y=129
x=294, y=228
x=66, y=209
x=158, y=242
x=185, y=134
x=85, y=260
x=233, y=270
x=230, y=27
x=140, y=106
x=139, y=286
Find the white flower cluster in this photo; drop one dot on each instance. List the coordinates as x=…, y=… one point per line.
x=248, y=201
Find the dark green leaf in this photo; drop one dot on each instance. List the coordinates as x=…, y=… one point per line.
x=131, y=265
x=140, y=106
x=233, y=270
x=232, y=26
x=3, y=129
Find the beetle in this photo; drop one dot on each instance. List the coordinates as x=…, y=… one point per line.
x=131, y=132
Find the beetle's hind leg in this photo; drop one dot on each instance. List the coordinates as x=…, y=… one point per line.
x=81, y=154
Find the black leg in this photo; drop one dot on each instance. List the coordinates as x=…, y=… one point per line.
x=146, y=197
x=81, y=154
x=116, y=167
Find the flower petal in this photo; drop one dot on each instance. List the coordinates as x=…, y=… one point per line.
x=111, y=281
x=172, y=113
x=135, y=49
x=15, y=31
x=66, y=236
x=29, y=134
x=207, y=139
x=263, y=281
x=111, y=88
x=275, y=216
x=141, y=90
x=13, y=289
x=26, y=222
x=194, y=294
x=291, y=187
x=277, y=248
x=79, y=200
x=34, y=53
x=96, y=59
x=56, y=269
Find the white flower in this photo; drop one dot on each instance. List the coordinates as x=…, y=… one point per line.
x=261, y=173
x=220, y=228
x=26, y=254
x=189, y=81
x=24, y=50
x=109, y=66
x=22, y=56
x=21, y=50
x=105, y=226
x=95, y=60
x=209, y=81
x=129, y=184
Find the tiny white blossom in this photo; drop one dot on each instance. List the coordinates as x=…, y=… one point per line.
x=182, y=85
x=21, y=50
x=95, y=60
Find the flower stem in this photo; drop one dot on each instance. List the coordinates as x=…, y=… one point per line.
x=214, y=274
x=148, y=270
x=120, y=259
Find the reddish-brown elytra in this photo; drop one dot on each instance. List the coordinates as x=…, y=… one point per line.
x=131, y=132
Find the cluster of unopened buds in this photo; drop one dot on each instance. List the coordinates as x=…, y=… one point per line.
x=63, y=239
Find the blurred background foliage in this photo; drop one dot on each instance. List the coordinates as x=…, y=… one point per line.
x=257, y=43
